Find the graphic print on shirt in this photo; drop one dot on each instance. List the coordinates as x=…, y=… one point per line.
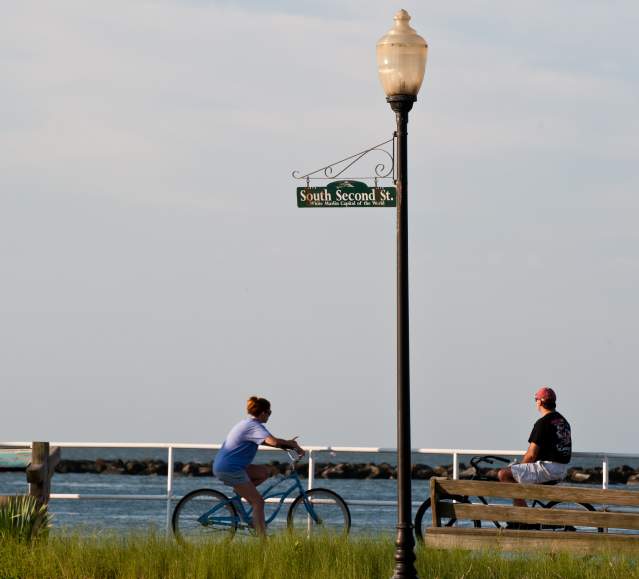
x=564, y=440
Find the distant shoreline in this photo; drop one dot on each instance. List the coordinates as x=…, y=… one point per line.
x=329, y=470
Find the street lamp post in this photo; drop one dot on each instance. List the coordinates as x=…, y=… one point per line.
x=401, y=61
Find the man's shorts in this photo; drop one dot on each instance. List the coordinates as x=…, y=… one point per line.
x=538, y=472
x=233, y=478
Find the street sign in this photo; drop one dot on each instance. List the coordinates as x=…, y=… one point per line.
x=346, y=194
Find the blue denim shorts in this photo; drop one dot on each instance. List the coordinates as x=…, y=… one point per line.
x=233, y=478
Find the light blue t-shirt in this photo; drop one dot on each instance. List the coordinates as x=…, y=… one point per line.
x=240, y=447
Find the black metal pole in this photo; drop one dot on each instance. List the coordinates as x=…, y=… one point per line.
x=405, y=542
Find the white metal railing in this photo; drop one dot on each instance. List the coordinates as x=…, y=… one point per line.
x=604, y=457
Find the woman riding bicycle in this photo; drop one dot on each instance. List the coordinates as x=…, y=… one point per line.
x=232, y=464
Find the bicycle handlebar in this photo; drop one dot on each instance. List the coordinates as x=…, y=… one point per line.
x=293, y=455
x=488, y=458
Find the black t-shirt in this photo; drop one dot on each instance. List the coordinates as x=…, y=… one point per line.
x=552, y=434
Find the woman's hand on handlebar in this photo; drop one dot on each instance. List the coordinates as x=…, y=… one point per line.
x=296, y=447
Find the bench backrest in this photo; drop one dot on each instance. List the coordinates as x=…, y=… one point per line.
x=444, y=506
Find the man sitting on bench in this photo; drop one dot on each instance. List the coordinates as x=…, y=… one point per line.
x=550, y=447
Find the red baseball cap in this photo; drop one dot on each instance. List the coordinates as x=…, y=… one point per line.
x=546, y=393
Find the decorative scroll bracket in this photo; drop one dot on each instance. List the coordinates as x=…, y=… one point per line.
x=336, y=170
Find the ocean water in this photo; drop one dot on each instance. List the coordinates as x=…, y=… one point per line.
x=120, y=516
x=141, y=515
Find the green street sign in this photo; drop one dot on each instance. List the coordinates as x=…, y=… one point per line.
x=346, y=194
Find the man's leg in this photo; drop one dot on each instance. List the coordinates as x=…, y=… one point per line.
x=250, y=493
x=506, y=475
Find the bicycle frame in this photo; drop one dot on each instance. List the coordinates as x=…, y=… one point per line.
x=245, y=513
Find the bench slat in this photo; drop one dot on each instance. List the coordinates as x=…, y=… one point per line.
x=547, y=493
x=579, y=518
x=541, y=541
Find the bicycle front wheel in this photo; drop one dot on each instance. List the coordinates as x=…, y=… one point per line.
x=423, y=519
x=204, y=515
x=319, y=511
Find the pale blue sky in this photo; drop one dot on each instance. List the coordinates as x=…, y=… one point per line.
x=155, y=271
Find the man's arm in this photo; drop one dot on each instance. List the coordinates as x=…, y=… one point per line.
x=532, y=453
x=283, y=443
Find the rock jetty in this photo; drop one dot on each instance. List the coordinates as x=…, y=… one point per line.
x=342, y=470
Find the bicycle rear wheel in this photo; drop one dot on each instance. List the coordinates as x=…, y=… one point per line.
x=204, y=515
x=568, y=505
x=319, y=511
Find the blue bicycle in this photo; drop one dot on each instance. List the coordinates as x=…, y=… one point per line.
x=207, y=514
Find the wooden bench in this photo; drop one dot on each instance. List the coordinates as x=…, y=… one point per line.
x=38, y=462
x=612, y=516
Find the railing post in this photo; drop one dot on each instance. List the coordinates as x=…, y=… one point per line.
x=169, y=490
x=605, y=479
x=38, y=472
x=311, y=470
x=455, y=465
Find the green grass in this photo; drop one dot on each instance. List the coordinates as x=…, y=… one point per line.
x=281, y=557
x=22, y=518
